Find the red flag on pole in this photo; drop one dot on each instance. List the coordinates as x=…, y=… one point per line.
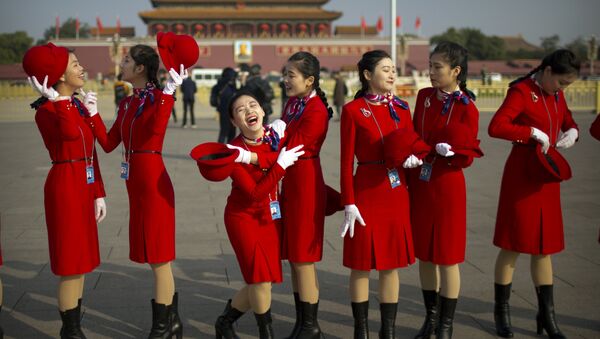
x=363, y=23
x=99, y=24
x=418, y=23
x=76, y=27
x=379, y=24
x=398, y=21
x=57, y=29
x=118, y=25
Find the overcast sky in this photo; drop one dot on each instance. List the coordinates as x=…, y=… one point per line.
x=531, y=18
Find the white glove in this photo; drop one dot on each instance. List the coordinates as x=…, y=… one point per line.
x=288, y=158
x=100, y=208
x=279, y=126
x=43, y=89
x=444, y=149
x=567, y=139
x=244, y=157
x=175, y=80
x=541, y=137
x=351, y=214
x=412, y=162
x=90, y=101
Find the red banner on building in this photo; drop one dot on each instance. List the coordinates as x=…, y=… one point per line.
x=340, y=50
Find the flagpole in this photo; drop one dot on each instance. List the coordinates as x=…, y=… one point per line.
x=393, y=30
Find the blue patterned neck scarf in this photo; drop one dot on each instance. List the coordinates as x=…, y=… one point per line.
x=390, y=100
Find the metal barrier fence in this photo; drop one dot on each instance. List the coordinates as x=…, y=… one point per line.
x=581, y=96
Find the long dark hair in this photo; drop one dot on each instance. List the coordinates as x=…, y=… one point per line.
x=146, y=56
x=456, y=56
x=561, y=61
x=309, y=65
x=368, y=62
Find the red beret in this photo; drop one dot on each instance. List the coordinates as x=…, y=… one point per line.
x=176, y=49
x=461, y=138
x=550, y=167
x=400, y=144
x=215, y=161
x=47, y=59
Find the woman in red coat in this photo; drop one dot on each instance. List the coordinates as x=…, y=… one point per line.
x=529, y=218
x=73, y=193
x=377, y=192
x=438, y=198
x=303, y=192
x=252, y=217
x=140, y=128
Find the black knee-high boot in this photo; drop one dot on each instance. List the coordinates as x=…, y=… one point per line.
x=360, y=311
x=388, y=320
x=310, y=326
x=265, y=328
x=71, y=324
x=447, y=308
x=224, y=324
x=431, y=301
x=502, y=310
x=545, y=318
x=165, y=320
x=298, y=323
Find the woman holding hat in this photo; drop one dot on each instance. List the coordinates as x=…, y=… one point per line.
x=252, y=216
x=303, y=198
x=444, y=114
x=73, y=192
x=376, y=196
x=140, y=128
x=535, y=117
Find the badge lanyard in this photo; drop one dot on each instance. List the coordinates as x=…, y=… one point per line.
x=427, y=167
x=126, y=155
x=393, y=175
x=274, y=207
x=89, y=168
x=548, y=112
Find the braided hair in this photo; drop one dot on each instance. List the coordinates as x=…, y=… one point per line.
x=146, y=56
x=368, y=62
x=561, y=61
x=456, y=56
x=309, y=65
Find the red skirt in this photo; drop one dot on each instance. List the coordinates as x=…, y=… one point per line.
x=303, y=202
x=151, y=210
x=386, y=241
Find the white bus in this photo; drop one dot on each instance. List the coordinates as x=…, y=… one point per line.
x=206, y=76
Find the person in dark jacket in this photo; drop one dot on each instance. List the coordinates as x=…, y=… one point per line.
x=220, y=95
x=188, y=88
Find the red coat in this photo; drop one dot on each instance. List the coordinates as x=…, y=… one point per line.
x=254, y=235
x=303, y=192
x=595, y=128
x=151, y=196
x=386, y=241
x=529, y=218
x=68, y=198
x=439, y=207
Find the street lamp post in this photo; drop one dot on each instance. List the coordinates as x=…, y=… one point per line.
x=393, y=30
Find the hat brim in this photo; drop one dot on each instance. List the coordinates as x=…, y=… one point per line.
x=555, y=167
x=215, y=160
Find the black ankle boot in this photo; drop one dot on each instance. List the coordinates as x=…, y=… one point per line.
x=309, y=328
x=447, y=308
x=360, y=311
x=388, y=320
x=224, y=324
x=545, y=318
x=298, y=323
x=431, y=301
x=265, y=328
x=502, y=310
x=165, y=320
x=71, y=324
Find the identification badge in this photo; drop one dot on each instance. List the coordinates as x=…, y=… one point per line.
x=275, y=210
x=125, y=170
x=89, y=174
x=425, y=174
x=394, y=178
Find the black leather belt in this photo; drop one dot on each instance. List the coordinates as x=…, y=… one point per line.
x=145, y=152
x=69, y=161
x=374, y=162
x=523, y=145
x=308, y=158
